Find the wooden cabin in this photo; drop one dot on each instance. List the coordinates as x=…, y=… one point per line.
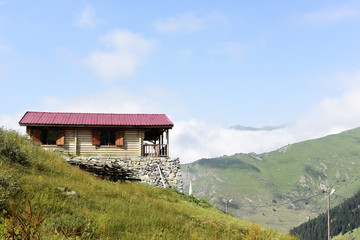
x=100, y=134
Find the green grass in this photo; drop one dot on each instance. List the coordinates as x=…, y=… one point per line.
x=110, y=210
x=254, y=183
x=353, y=235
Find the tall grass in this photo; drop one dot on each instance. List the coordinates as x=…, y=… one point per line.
x=71, y=197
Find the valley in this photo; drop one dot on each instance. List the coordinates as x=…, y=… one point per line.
x=283, y=188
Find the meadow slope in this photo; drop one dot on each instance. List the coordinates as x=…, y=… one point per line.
x=68, y=197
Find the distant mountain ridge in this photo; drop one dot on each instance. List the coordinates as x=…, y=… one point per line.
x=265, y=128
x=282, y=188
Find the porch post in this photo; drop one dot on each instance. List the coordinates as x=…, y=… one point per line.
x=167, y=142
x=162, y=144
x=76, y=141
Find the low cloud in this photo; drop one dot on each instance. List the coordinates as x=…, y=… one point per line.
x=126, y=52
x=87, y=17
x=192, y=140
x=187, y=22
x=331, y=14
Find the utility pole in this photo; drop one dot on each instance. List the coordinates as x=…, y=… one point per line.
x=329, y=193
x=328, y=215
x=190, y=186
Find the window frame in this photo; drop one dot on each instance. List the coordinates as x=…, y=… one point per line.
x=109, y=133
x=115, y=137
x=41, y=136
x=46, y=138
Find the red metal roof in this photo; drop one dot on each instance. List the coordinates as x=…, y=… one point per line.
x=94, y=119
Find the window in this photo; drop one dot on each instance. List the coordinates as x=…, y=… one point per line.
x=107, y=137
x=48, y=137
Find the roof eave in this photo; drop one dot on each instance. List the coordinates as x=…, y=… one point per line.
x=95, y=126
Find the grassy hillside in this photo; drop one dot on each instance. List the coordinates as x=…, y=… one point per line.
x=67, y=197
x=283, y=188
x=353, y=235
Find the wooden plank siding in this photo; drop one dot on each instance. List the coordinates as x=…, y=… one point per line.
x=70, y=141
x=141, y=142
x=132, y=146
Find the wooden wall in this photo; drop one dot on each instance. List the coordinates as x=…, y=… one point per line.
x=70, y=141
x=133, y=141
x=132, y=146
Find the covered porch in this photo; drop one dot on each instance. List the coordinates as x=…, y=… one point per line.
x=156, y=142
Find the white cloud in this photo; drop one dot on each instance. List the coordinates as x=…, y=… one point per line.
x=188, y=21
x=192, y=140
x=330, y=14
x=127, y=51
x=86, y=18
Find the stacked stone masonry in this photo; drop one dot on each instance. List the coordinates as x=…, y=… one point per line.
x=156, y=171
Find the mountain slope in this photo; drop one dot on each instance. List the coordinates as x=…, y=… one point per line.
x=352, y=235
x=70, y=197
x=345, y=217
x=282, y=188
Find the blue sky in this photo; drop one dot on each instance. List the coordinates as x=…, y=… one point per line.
x=208, y=65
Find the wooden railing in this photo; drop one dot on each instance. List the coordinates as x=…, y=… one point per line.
x=156, y=150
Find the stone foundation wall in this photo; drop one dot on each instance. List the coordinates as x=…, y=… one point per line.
x=156, y=171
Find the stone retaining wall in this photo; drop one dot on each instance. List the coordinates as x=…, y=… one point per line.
x=156, y=171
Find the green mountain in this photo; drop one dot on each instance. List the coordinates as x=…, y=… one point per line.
x=43, y=197
x=344, y=217
x=283, y=188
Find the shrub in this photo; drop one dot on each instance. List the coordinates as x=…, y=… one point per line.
x=11, y=147
x=9, y=187
x=24, y=223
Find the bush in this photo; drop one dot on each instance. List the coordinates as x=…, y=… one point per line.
x=28, y=224
x=11, y=147
x=23, y=223
x=9, y=187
